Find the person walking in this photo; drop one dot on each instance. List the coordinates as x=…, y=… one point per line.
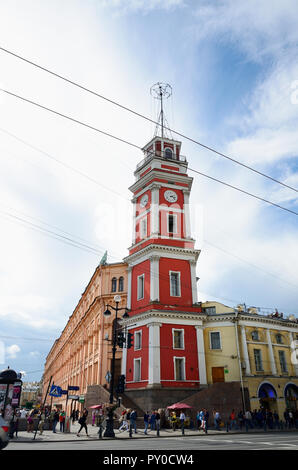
x=83, y=422
x=133, y=420
x=157, y=419
x=276, y=420
x=124, y=421
x=77, y=415
x=41, y=418
x=199, y=421
x=182, y=421
x=62, y=420
x=240, y=419
x=73, y=416
x=146, y=421
x=152, y=421
x=247, y=418
x=55, y=420
x=216, y=420
x=14, y=425
x=30, y=423
x=232, y=420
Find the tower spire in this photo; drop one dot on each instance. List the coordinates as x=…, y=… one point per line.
x=160, y=91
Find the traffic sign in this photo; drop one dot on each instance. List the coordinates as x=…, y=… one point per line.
x=55, y=391
x=73, y=397
x=73, y=387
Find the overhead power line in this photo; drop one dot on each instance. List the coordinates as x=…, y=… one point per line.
x=140, y=148
x=126, y=108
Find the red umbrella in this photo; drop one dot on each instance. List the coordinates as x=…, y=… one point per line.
x=179, y=406
x=95, y=406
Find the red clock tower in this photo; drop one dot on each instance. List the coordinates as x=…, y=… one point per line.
x=166, y=362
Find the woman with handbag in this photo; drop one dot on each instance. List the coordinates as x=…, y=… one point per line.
x=82, y=422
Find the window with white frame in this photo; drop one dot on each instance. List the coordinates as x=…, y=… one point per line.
x=141, y=287
x=175, y=290
x=178, y=339
x=143, y=225
x=179, y=364
x=215, y=342
x=258, y=360
x=172, y=223
x=137, y=370
x=138, y=340
x=282, y=361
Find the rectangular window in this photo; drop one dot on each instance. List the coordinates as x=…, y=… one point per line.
x=178, y=339
x=138, y=340
x=179, y=368
x=175, y=284
x=215, y=340
x=282, y=361
x=172, y=223
x=137, y=370
x=258, y=360
x=141, y=287
x=144, y=227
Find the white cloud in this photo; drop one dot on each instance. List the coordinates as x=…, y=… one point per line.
x=143, y=6
x=12, y=351
x=34, y=353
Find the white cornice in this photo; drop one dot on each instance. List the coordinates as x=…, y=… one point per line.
x=165, y=316
x=162, y=251
x=155, y=173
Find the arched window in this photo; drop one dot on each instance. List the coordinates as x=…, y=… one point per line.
x=114, y=284
x=168, y=153
x=255, y=335
x=278, y=338
x=121, y=284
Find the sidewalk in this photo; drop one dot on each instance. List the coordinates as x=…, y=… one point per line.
x=49, y=436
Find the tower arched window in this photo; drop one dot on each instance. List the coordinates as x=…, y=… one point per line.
x=114, y=284
x=168, y=153
x=121, y=284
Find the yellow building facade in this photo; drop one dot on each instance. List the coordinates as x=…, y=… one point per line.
x=258, y=351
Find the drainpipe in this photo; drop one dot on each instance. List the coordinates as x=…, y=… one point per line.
x=239, y=360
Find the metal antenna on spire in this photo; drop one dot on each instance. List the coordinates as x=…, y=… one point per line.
x=159, y=91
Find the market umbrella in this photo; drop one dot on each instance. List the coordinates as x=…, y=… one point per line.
x=95, y=406
x=179, y=406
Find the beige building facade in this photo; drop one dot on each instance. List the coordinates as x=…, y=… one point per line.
x=82, y=355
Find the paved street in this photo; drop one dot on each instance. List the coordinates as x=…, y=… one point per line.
x=224, y=441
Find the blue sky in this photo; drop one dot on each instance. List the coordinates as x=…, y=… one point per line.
x=233, y=70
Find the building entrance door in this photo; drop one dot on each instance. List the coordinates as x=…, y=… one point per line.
x=218, y=374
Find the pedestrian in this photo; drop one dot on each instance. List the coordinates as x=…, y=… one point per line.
x=276, y=420
x=157, y=420
x=14, y=427
x=287, y=418
x=182, y=421
x=152, y=421
x=93, y=417
x=73, y=416
x=217, y=420
x=62, y=420
x=55, y=420
x=247, y=419
x=124, y=421
x=77, y=415
x=202, y=417
x=29, y=423
x=41, y=421
x=291, y=419
x=146, y=421
x=232, y=420
x=133, y=420
x=240, y=417
x=82, y=422
x=198, y=418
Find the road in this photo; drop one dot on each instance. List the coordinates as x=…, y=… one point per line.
x=264, y=441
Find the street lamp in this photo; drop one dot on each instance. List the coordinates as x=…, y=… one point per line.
x=109, y=432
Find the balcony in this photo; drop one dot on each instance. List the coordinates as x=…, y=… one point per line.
x=157, y=154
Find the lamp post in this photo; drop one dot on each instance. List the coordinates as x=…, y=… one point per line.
x=109, y=432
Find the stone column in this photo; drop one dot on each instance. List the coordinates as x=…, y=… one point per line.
x=201, y=356
x=154, y=354
x=134, y=201
x=245, y=351
x=154, y=278
x=123, y=362
x=271, y=355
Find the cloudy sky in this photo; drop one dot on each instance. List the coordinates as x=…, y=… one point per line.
x=234, y=72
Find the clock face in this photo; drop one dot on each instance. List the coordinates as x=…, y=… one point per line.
x=171, y=196
x=144, y=200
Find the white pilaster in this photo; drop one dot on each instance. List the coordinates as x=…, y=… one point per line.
x=154, y=214
x=154, y=353
x=134, y=201
x=193, y=275
x=201, y=356
x=245, y=351
x=271, y=355
x=123, y=362
x=187, y=229
x=154, y=278
x=129, y=269
x=294, y=357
